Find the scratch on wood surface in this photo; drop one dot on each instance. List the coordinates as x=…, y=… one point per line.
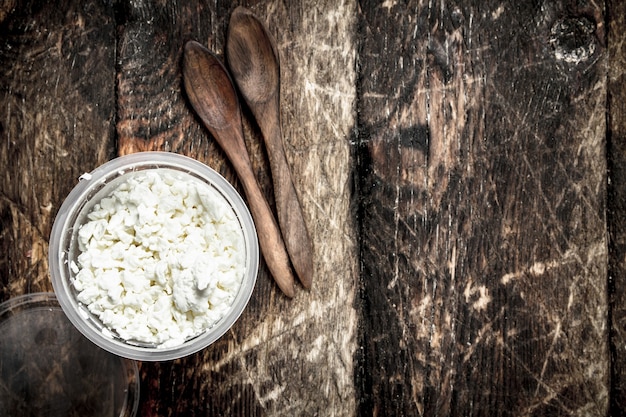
x=549, y=394
x=305, y=341
x=596, y=251
x=478, y=296
x=536, y=269
x=563, y=324
x=554, y=392
x=313, y=61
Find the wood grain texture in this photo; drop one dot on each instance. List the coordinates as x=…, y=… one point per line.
x=616, y=213
x=451, y=160
x=318, y=48
x=57, y=109
x=281, y=355
x=483, y=243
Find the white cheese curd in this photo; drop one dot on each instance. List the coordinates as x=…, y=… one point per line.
x=161, y=258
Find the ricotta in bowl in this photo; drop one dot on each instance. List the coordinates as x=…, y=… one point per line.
x=153, y=256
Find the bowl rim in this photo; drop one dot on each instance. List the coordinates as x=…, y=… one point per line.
x=62, y=229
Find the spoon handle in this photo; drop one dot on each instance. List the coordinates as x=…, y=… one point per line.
x=289, y=210
x=270, y=238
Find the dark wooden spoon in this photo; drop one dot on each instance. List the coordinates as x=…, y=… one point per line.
x=253, y=60
x=214, y=99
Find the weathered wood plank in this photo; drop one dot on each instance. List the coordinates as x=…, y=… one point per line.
x=483, y=239
x=57, y=72
x=616, y=213
x=281, y=354
x=480, y=195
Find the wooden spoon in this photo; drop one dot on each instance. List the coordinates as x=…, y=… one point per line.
x=214, y=99
x=253, y=59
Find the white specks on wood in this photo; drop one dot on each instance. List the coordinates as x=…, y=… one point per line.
x=495, y=15
x=478, y=296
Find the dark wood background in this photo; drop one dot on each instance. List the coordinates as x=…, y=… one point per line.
x=461, y=168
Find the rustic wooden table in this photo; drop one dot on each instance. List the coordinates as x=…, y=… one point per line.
x=462, y=168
